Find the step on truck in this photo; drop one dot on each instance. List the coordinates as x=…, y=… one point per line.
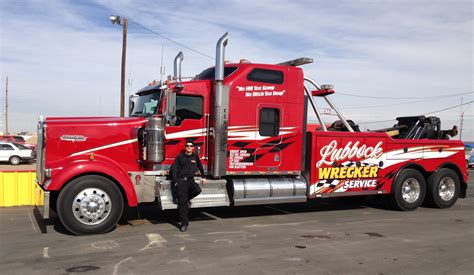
x=249, y=122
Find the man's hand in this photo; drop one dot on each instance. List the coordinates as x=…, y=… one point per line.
x=203, y=181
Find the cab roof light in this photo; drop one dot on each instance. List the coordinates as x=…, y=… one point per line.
x=326, y=89
x=297, y=62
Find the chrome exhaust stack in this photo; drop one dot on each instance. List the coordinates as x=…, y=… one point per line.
x=221, y=113
x=177, y=66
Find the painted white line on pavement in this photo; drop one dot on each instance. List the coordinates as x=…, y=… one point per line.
x=224, y=240
x=185, y=260
x=212, y=216
x=105, y=245
x=31, y=220
x=119, y=263
x=45, y=253
x=278, y=224
x=156, y=240
x=227, y=232
x=277, y=209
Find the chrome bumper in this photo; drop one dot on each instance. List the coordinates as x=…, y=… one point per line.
x=42, y=201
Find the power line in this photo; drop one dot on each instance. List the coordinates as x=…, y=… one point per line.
x=388, y=105
x=467, y=103
x=171, y=40
x=440, y=110
x=420, y=97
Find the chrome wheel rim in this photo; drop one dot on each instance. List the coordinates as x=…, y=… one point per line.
x=91, y=206
x=446, y=188
x=411, y=190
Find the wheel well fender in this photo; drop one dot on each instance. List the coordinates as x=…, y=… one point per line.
x=102, y=166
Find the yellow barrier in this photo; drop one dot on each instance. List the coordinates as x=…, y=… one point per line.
x=17, y=188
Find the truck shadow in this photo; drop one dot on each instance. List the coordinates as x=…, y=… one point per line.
x=152, y=213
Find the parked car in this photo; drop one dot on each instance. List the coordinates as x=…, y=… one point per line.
x=469, y=155
x=19, y=140
x=15, y=153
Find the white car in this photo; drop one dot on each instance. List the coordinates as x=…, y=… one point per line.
x=15, y=153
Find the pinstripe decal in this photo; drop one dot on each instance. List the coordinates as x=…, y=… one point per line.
x=105, y=147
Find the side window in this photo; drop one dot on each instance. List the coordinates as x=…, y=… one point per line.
x=269, y=122
x=188, y=107
x=266, y=76
x=7, y=147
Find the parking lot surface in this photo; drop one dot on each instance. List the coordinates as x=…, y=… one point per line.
x=31, y=166
x=337, y=236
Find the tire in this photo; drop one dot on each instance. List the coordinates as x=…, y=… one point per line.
x=443, y=188
x=90, y=205
x=408, y=190
x=15, y=160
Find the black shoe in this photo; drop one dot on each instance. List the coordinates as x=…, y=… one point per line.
x=183, y=228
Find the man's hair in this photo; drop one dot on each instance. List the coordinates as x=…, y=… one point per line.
x=189, y=141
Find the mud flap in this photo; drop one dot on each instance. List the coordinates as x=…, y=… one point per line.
x=213, y=194
x=42, y=201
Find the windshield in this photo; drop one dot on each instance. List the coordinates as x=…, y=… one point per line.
x=146, y=104
x=21, y=147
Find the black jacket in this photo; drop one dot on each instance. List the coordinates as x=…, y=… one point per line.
x=186, y=166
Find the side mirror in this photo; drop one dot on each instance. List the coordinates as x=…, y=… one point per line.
x=131, y=104
x=171, y=107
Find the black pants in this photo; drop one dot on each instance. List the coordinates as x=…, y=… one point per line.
x=186, y=191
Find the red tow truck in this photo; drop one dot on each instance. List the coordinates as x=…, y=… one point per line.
x=249, y=122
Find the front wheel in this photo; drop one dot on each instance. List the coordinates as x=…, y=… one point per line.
x=443, y=189
x=408, y=191
x=90, y=205
x=15, y=160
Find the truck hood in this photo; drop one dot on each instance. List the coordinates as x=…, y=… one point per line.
x=109, y=137
x=92, y=120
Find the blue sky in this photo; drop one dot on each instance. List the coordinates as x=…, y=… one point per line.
x=63, y=57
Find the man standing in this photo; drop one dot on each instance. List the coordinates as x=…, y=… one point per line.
x=183, y=170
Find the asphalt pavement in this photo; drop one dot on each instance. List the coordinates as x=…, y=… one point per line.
x=332, y=236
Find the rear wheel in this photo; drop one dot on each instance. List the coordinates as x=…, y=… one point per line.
x=443, y=188
x=408, y=191
x=15, y=160
x=90, y=205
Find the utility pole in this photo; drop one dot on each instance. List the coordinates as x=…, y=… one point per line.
x=117, y=20
x=124, y=53
x=6, y=108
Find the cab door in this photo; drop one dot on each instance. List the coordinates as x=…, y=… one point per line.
x=190, y=125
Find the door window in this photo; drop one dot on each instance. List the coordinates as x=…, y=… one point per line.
x=188, y=107
x=269, y=122
x=5, y=147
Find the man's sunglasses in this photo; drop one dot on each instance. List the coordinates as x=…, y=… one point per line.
x=190, y=146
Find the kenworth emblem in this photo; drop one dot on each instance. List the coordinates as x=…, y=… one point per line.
x=73, y=138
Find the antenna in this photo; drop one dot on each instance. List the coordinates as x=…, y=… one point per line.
x=462, y=120
x=6, y=107
x=162, y=68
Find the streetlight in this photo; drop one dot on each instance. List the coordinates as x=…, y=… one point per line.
x=115, y=19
